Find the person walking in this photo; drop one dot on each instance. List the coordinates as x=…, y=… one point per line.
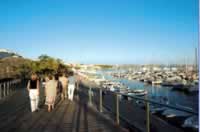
x=59, y=86
x=51, y=92
x=64, y=81
x=71, y=85
x=42, y=93
x=33, y=89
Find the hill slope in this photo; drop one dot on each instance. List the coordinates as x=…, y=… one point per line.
x=4, y=53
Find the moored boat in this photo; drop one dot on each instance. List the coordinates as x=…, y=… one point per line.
x=157, y=82
x=137, y=92
x=191, y=122
x=169, y=113
x=157, y=110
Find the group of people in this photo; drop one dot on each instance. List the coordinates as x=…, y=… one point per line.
x=53, y=86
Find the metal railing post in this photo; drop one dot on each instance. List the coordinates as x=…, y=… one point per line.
x=77, y=85
x=77, y=89
x=147, y=116
x=117, y=109
x=11, y=86
x=8, y=88
x=14, y=85
x=90, y=96
x=0, y=91
x=4, y=89
x=100, y=101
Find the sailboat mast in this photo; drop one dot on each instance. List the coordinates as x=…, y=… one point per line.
x=186, y=66
x=196, y=59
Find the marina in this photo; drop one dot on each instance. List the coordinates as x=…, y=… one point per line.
x=162, y=91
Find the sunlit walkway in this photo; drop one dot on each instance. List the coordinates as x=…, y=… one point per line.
x=68, y=116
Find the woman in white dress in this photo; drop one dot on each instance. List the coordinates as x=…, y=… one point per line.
x=51, y=92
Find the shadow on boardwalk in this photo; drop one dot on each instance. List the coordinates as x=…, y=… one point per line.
x=15, y=116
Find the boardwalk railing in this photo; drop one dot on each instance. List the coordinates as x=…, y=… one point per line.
x=128, y=112
x=8, y=87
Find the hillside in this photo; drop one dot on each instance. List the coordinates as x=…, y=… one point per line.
x=10, y=62
x=4, y=53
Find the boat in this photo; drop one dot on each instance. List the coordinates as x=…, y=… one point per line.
x=184, y=107
x=156, y=109
x=186, y=88
x=139, y=103
x=166, y=84
x=194, y=88
x=99, y=80
x=113, y=86
x=178, y=86
x=169, y=113
x=157, y=82
x=191, y=122
x=128, y=92
x=196, y=81
x=148, y=81
x=142, y=80
x=137, y=92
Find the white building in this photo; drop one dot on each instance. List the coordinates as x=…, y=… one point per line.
x=174, y=69
x=166, y=69
x=156, y=69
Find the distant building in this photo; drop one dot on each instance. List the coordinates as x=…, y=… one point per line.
x=156, y=69
x=15, y=56
x=174, y=69
x=190, y=68
x=144, y=69
x=166, y=69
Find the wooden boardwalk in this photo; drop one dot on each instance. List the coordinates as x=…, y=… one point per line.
x=15, y=116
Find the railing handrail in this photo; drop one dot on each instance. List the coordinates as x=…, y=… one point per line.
x=153, y=102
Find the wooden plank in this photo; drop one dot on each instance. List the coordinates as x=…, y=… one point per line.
x=52, y=119
x=67, y=116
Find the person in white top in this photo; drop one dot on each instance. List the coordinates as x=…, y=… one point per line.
x=33, y=89
x=71, y=85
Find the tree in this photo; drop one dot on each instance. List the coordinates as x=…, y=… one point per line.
x=62, y=68
x=25, y=69
x=45, y=65
x=51, y=65
x=44, y=57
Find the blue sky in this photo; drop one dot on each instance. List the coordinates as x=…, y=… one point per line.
x=101, y=31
